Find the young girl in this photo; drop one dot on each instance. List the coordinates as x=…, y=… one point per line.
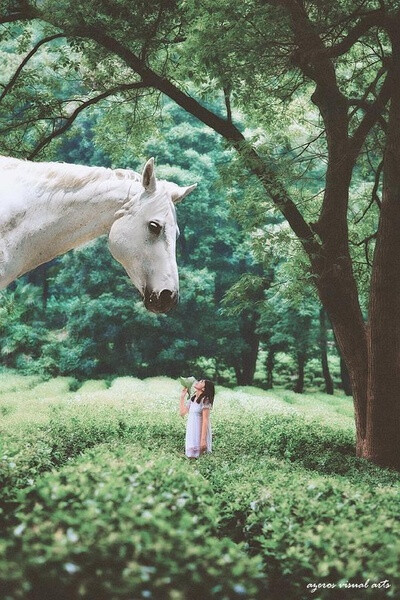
x=198, y=428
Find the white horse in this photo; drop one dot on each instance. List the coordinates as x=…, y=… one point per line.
x=48, y=208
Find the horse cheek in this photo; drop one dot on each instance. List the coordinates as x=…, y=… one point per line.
x=128, y=251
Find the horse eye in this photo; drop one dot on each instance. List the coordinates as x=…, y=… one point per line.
x=155, y=227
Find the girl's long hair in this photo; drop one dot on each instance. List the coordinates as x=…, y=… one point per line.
x=209, y=392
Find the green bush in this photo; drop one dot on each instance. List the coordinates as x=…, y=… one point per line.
x=311, y=528
x=293, y=438
x=286, y=489
x=121, y=524
x=71, y=430
x=325, y=531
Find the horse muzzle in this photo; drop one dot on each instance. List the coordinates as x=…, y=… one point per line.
x=160, y=302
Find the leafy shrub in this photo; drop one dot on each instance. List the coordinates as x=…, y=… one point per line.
x=11, y=381
x=289, y=488
x=311, y=528
x=325, y=531
x=293, y=438
x=70, y=431
x=297, y=439
x=121, y=524
x=79, y=428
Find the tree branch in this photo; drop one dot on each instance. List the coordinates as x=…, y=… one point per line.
x=374, y=193
x=69, y=120
x=365, y=242
x=311, y=56
x=227, y=96
x=222, y=126
x=365, y=105
x=375, y=18
x=372, y=115
x=21, y=12
x=27, y=58
x=312, y=59
x=363, y=102
x=152, y=32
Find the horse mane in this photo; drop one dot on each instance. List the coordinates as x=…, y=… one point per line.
x=65, y=176
x=53, y=177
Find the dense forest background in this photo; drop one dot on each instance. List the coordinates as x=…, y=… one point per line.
x=248, y=311
x=244, y=314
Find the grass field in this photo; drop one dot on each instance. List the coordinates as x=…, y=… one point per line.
x=99, y=502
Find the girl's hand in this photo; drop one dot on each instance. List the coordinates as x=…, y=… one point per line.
x=183, y=393
x=203, y=448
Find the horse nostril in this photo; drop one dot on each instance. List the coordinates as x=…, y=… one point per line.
x=165, y=296
x=162, y=302
x=167, y=300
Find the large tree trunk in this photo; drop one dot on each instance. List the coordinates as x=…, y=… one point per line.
x=344, y=372
x=301, y=362
x=323, y=341
x=345, y=377
x=270, y=364
x=245, y=371
x=382, y=443
x=340, y=299
x=372, y=353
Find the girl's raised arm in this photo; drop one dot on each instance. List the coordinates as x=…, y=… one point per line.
x=183, y=409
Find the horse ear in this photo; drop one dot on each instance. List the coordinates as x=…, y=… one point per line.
x=179, y=193
x=148, y=176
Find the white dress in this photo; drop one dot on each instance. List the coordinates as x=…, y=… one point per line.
x=193, y=429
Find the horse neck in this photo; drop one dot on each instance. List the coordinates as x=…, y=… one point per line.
x=83, y=215
x=56, y=207
x=83, y=201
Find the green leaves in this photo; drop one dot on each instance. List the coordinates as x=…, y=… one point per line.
x=97, y=499
x=122, y=520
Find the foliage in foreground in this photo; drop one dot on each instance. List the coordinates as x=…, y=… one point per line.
x=98, y=501
x=120, y=520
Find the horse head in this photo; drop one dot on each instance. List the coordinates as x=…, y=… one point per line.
x=143, y=239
